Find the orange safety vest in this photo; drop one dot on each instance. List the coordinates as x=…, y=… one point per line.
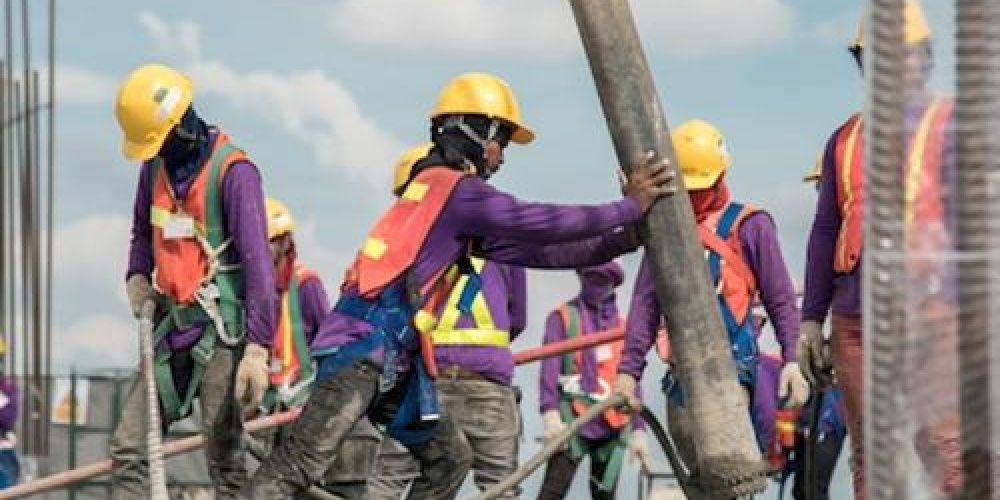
x=391, y=247
x=736, y=285
x=291, y=349
x=922, y=184
x=182, y=263
x=609, y=356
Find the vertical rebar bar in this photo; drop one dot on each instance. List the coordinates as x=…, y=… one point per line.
x=883, y=272
x=975, y=105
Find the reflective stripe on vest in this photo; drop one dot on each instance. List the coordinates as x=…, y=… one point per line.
x=183, y=264
x=607, y=370
x=921, y=185
x=485, y=333
x=291, y=349
x=392, y=245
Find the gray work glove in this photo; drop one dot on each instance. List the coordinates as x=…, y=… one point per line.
x=139, y=290
x=252, y=377
x=812, y=357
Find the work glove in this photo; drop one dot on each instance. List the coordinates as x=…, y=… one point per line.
x=625, y=385
x=638, y=447
x=792, y=384
x=812, y=359
x=553, y=426
x=252, y=377
x=139, y=290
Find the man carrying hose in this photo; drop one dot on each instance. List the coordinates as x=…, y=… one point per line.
x=199, y=228
x=380, y=360
x=833, y=266
x=744, y=260
x=571, y=382
x=475, y=372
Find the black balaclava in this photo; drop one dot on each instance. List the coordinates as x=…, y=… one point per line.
x=186, y=147
x=453, y=148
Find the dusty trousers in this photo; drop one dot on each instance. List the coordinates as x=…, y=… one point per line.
x=489, y=423
x=314, y=440
x=221, y=423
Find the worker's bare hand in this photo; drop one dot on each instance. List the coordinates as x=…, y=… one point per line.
x=625, y=385
x=650, y=180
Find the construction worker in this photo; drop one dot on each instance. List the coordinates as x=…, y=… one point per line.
x=199, y=227
x=380, y=359
x=10, y=465
x=475, y=373
x=303, y=304
x=744, y=260
x=833, y=267
x=570, y=383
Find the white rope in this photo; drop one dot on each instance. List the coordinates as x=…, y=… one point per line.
x=154, y=448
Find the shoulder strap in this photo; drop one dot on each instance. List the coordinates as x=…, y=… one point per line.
x=571, y=320
x=716, y=242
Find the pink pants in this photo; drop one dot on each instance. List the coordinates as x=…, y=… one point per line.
x=938, y=440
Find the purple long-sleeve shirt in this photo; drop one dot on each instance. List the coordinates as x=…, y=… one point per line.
x=8, y=404
x=245, y=223
x=504, y=289
x=825, y=289
x=510, y=231
x=762, y=253
x=765, y=395
x=314, y=305
x=593, y=318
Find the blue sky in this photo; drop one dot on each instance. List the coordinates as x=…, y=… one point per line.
x=324, y=96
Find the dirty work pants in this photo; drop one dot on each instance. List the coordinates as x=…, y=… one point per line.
x=489, y=424
x=937, y=441
x=315, y=438
x=561, y=468
x=220, y=421
x=355, y=462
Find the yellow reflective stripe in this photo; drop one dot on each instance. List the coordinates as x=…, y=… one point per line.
x=424, y=321
x=159, y=217
x=288, y=349
x=915, y=162
x=415, y=191
x=374, y=248
x=846, y=180
x=480, y=310
x=472, y=336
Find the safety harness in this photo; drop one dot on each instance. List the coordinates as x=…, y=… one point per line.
x=217, y=305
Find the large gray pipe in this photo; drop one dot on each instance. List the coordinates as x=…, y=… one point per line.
x=727, y=462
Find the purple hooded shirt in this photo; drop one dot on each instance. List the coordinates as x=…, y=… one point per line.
x=761, y=251
x=506, y=230
x=8, y=404
x=598, y=311
x=245, y=222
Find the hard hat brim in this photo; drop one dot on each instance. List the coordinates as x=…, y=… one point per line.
x=697, y=183
x=522, y=135
x=141, y=151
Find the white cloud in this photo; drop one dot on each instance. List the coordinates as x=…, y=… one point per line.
x=309, y=105
x=686, y=28
x=79, y=85
x=96, y=341
x=90, y=255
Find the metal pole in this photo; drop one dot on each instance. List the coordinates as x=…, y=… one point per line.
x=729, y=463
x=976, y=103
x=50, y=211
x=4, y=215
x=883, y=273
x=171, y=448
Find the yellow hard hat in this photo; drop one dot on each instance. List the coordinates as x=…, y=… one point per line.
x=814, y=173
x=915, y=27
x=483, y=94
x=150, y=103
x=405, y=164
x=701, y=153
x=279, y=219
